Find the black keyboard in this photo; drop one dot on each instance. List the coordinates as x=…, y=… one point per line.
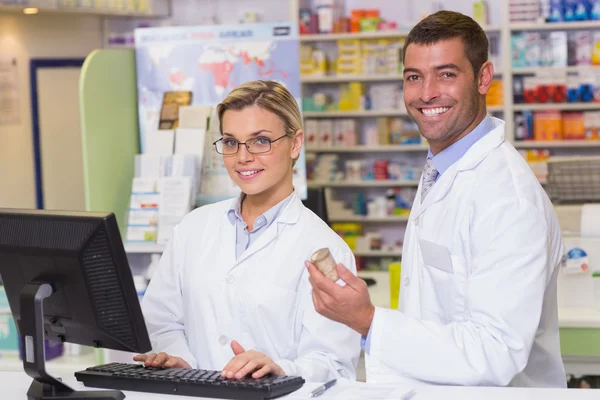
x=186, y=382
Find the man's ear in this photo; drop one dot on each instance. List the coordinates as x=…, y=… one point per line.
x=485, y=78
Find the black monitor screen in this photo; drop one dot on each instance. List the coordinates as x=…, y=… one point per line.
x=81, y=255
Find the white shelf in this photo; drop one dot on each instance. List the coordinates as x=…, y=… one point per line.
x=350, y=184
x=578, y=318
x=492, y=28
x=557, y=106
x=554, y=26
x=571, y=68
x=352, y=35
x=82, y=11
x=495, y=109
x=144, y=248
x=360, y=78
x=350, y=78
x=354, y=114
x=369, y=149
x=378, y=253
x=537, y=144
x=366, y=218
x=372, y=35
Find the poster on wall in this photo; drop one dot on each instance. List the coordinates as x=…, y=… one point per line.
x=209, y=61
x=9, y=92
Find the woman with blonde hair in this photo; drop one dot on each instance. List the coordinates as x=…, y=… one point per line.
x=232, y=291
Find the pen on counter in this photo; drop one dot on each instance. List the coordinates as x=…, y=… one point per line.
x=321, y=389
x=408, y=395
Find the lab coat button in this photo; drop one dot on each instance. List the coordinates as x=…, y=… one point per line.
x=223, y=340
x=229, y=278
x=406, y=281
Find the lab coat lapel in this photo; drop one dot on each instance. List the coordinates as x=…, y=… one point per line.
x=226, y=243
x=472, y=157
x=289, y=215
x=437, y=191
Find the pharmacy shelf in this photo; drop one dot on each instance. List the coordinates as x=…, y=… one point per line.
x=353, y=35
x=571, y=68
x=350, y=78
x=370, y=149
x=554, y=26
x=538, y=144
x=351, y=184
x=83, y=11
x=378, y=253
x=366, y=218
x=557, y=106
x=495, y=109
x=361, y=78
x=144, y=248
x=354, y=114
x=492, y=29
x=373, y=34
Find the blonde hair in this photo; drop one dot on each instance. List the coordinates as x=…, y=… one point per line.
x=268, y=95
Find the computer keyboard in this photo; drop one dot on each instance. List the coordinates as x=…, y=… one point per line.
x=186, y=382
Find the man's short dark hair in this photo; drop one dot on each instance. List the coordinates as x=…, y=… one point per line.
x=446, y=25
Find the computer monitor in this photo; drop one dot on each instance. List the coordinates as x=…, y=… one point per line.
x=67, y=278
x=316, y=202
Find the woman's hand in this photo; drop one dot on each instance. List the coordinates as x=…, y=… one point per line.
x=161, y=360
x=246, y=362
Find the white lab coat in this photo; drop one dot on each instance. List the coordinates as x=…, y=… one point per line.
x=201, y=297
x=478, y=302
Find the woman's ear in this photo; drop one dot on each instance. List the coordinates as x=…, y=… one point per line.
x=297, y=143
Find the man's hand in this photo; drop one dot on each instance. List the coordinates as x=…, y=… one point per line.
x=351, y=304
x=161, y=360
x=246, y=362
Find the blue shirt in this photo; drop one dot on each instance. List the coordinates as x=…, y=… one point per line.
x=451, y=154
x=442, y=161
x=243, y=237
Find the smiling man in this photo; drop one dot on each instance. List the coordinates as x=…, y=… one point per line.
x=482, y=249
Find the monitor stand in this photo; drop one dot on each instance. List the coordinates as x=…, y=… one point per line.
x=44, y=386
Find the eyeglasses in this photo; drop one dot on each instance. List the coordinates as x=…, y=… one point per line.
x=259, y=145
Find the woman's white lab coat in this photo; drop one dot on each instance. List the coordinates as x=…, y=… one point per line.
x=478, y=302
x=201, y=298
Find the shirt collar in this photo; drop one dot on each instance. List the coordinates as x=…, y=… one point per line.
x=235, y=212
x=444, y=159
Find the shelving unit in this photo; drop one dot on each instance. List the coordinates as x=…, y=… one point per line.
x=369, y=149
x=378, y=253
x=350, y=78
x=353, y=35
x=354, y=114
x=571, y=68
x=562, y=144
x=365, y=117
x=161, y=11
x=357, y=184
x=144, y=248
x=557, y=106
x=507, y=111
x=553, y=26
x=366, y=219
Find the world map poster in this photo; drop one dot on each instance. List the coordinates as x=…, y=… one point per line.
x=209, y=61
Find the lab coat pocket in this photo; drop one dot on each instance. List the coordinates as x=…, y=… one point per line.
x=274, y=314
x=443, y=298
